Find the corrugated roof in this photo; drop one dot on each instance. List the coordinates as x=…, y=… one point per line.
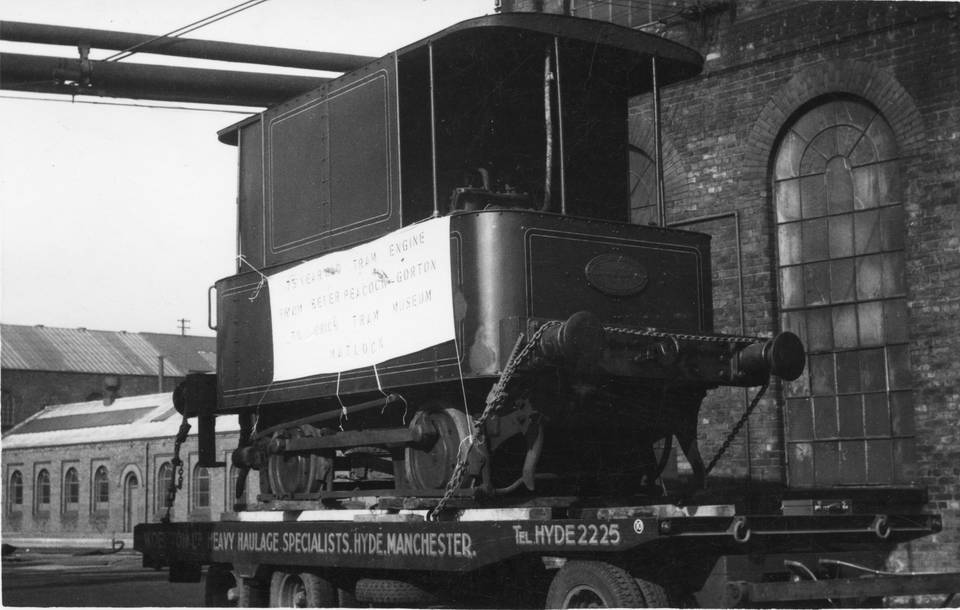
x=78, y=350
x=136, y=417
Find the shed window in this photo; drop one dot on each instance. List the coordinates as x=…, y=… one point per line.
x=201, y=488
x=43, y=490
x=164, y=481
x=840, y=230
x=101, y=489
x=16, y=490
x=71, y=490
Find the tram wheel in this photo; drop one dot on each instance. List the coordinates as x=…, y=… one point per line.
x=431, y=464
x=290, y=474
x=594, y=584
x=301, y=590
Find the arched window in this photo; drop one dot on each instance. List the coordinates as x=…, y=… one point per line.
x=42, y=494
x=164, y=480
x=840, y=233
x=101, y=489
x=201, y=488
x=71, y=490
x=15, y=491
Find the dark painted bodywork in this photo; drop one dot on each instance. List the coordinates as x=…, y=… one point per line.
x=510, y=267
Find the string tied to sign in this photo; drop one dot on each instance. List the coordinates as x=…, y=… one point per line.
x=263, y=278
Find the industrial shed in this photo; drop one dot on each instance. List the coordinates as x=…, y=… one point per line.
x=89, y=470
x=45, y=365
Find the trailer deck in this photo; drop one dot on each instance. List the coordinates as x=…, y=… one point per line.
x=732, y=558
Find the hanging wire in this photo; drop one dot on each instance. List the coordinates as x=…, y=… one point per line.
x=73, y=100
x=196, y=25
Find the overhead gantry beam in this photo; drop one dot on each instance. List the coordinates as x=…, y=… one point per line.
x=18, y=31
x=58, y=75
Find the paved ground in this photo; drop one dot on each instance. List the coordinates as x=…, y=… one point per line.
x=77, y=577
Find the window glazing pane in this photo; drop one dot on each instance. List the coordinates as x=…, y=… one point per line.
x=853, y=462
x=839, y=186
x=844, y=326
x=791, y=286
x=841, y=236
x=812, y=201
x=819, y=330
x=876, y=415
x=827, y=462
x=825, y=417
x=871, y=323
x=842, y=280
x=800, y=418
x=869, y=277
x=847, y=138
x=801, y=464
x=814, y=240
x=873, y=376
x=898, y=367
x=848, y=372
x=826, y=143
x=822, y=378
x=879, y=461
x=788, y=200
x=866, y=232
x=788, y=161
x=789, y=242
x=816, y=282
x=851, y=416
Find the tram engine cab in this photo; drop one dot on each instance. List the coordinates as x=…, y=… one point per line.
x=566, y=341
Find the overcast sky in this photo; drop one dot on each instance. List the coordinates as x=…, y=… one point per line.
x=118, y=217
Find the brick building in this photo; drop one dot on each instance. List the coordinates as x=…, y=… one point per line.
x=44, y=366
x=820, y=147
x=90, y=470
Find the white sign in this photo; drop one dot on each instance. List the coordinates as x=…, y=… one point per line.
x=359, y=307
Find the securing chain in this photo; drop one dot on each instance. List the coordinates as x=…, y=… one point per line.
x=177, y=482
x=736, y=429
x=660, y=334
x=495, y=400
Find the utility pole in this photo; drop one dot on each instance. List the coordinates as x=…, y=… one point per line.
x=184, y=325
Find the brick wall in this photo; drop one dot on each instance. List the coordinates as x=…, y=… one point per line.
x=764, y=61
x=763, y=65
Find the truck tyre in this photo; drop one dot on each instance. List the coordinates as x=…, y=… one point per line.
x=301, y=590
x=217, y=582
x=594, y=584
x=654, y=596
x=251, y=593
x=392, y=593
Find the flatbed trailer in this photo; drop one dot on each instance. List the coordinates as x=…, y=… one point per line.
x=613, y=556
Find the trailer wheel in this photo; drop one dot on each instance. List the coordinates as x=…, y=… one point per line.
x=594, y=584
x=251, y=593
x=392, y=593
x=217, y=582
x=654, y=596
x=301, y=590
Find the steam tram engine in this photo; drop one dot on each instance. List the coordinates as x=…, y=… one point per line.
x=561, y=345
